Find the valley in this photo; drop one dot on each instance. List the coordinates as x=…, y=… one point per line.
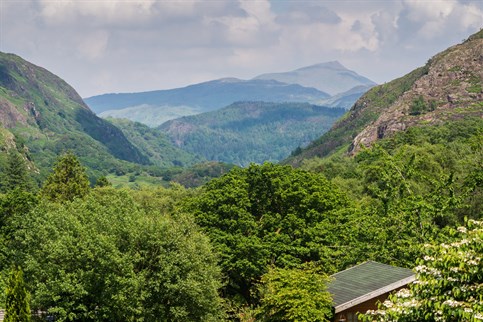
x=242, y=200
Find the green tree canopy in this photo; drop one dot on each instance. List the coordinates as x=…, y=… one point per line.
x=103, y=182
x=17, y=298
x=297, y=295
x=108, y=258
x=15, y=175
x=68, y=180
x=265, y=215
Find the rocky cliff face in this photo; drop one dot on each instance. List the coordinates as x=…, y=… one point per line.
x=451, y=88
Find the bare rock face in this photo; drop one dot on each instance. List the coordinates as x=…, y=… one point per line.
x=9, y=115
x=454, y=80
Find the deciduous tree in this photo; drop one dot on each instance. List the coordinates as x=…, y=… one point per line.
x=449, y=283
x=266, y=215
x=297, y=295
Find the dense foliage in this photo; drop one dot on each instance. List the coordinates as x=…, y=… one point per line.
x=449, y=283
x=266, y=215
x=15, y=174
x=17, y=298
x=108, y=255
x=294, y=295
x=105, y=258
x=68, y=180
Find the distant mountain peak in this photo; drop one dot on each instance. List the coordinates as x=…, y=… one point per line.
x=335, y=64
x=331, y=77
x=229, y=80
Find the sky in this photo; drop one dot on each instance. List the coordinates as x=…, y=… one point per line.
x=106, y=46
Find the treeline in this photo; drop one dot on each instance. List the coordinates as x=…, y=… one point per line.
x=255, y=244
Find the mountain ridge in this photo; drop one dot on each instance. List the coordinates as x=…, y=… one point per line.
x=448, y=87
x=204, y=94
x=155, y=107
x=331, y=77
x=246, y=132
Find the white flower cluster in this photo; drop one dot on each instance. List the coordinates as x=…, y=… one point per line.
x=402, y=293
x=460, y=243
x=462, y=230
x=475, y=222
x=449, y=282
x=423, y=269
x=452, y=303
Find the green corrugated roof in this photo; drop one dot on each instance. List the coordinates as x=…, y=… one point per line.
x=363, y=279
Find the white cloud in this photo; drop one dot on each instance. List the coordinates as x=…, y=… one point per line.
x=135, y=45
x=432, y=19
x=114, y=12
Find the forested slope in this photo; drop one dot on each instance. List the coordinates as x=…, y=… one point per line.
x=247, y=132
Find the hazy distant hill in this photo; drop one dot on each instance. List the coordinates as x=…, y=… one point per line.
x=155, y=107
x=448, y=88
x=345, y=99
x=248, y=132
x=331, y=77
x=309, y=84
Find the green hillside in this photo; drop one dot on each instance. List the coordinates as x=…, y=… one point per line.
x=248, y=132
x=41, y=116
x=46, y=117
x=154, y=144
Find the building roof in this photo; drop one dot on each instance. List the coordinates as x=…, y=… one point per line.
x=366, y=281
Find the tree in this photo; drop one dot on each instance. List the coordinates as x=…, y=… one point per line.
x=103, y=182
x=106, y=257
x=294, y=295
x=448, y=286
x=266, y=215
x=17, y=298
x=68, y=180
x=15, y=203
x=16, y=174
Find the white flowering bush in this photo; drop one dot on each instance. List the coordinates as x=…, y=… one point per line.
x=448, y=285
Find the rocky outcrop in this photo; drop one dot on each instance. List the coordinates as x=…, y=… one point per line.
x=454, y=80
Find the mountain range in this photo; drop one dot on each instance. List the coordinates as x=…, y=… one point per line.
x=308, y=84
x=42, y=116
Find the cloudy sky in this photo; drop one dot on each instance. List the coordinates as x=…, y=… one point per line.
x=101, y=46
